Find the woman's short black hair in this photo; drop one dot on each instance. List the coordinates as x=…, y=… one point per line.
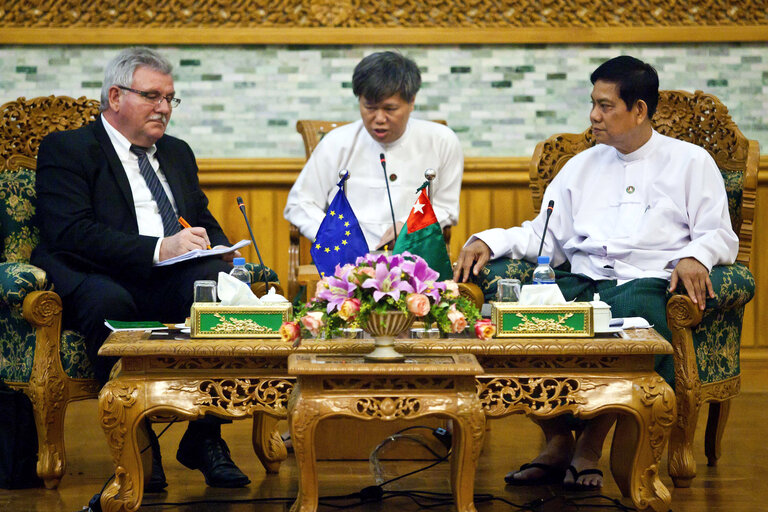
x=383, y=74
x=636, y=80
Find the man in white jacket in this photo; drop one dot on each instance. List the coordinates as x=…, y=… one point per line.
x=385, y=84
x=635, y=215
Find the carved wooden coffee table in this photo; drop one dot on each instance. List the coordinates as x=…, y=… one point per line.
x=422, y=385
x=188, y=378
x=540, y=377
x=545, y=377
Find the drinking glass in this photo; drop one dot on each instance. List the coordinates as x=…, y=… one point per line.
x=205, y=291
x=508, y=290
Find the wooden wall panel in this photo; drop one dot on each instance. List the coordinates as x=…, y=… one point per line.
x=755, y=331
x=494, y=194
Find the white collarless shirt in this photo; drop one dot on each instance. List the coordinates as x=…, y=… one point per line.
x=630, y=216
x=423, y=145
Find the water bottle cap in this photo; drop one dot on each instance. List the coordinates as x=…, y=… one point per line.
x=543, y=260
x=238, y=261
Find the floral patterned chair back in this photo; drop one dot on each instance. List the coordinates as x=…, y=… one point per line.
x=706, y=345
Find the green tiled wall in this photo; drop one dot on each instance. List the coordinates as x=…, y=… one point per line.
x=243, y=101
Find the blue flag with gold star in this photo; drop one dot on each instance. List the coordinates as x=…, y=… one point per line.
x=339, y=239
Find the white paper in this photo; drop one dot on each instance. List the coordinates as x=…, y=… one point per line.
x=631, y=322
x=202, y=253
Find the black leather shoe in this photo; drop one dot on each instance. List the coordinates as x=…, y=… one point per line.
x=210, y=455
x=156, y=482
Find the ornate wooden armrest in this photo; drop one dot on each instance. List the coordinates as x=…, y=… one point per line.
x=41, y=309
x=472, y=292
x=682, y=312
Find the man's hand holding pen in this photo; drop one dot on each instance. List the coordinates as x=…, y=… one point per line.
x=186, y=225
x=189, y=239
x=186, y=240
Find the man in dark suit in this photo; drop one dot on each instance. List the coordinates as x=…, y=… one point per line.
x=110, y=196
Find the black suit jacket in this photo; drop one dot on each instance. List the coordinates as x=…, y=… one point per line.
x=85, y=208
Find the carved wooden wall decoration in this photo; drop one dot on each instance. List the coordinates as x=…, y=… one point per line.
x=391, y=13
x=308, y=21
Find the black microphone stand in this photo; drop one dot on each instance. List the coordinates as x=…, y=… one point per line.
x=550, y=207
x=241, y=205
x=389, y=195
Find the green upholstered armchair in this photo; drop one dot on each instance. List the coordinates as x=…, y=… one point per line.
x=51, y=366
x=35, y=355
x=706, y=357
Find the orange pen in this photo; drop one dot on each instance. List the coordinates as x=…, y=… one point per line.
x=185, y=224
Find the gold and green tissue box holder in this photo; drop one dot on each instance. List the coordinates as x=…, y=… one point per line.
x=567, y=320
x=212, y=320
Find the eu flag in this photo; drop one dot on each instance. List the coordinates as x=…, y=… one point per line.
x=339, y=239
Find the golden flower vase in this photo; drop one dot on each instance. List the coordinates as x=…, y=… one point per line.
x=384, y=327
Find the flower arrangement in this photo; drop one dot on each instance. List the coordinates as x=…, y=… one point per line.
x=379, y=283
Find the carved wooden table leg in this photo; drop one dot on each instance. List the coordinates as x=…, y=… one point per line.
x=267, y=443
x=120, y=410
x=645, y=405
x=639, y=441
x=302, y=422
x=442, y=386
x=468, y=432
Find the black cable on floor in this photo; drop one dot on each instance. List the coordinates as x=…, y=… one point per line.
x=423, y=499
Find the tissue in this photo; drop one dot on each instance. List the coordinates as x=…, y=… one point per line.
x=541, y=295
x=272, y=296
x=233, y=292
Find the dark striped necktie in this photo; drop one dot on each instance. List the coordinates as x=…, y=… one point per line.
x=170, y=219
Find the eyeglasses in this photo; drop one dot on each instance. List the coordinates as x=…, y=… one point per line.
x=153, y=97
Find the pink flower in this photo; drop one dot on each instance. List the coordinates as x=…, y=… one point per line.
x=387, y=282
x=417, y=303
x=321, y=286
x=361, y=273
x=458, y=321
x=313, y=322
x=349, y=309
x=345, y=271
x=290, y=332
x=484, y=329
x=451, y=289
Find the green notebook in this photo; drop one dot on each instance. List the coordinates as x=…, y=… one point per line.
x=118, y=325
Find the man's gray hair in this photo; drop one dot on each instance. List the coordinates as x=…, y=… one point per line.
x=120, y=69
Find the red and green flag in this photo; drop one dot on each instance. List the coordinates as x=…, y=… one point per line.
x=423, y=236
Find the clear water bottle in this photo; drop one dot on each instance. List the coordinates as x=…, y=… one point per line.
x=543, y=273
x=239, y=271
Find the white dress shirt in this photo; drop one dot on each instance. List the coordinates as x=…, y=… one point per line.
x=630, y=216
x=423, y=145
x=148, y=216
